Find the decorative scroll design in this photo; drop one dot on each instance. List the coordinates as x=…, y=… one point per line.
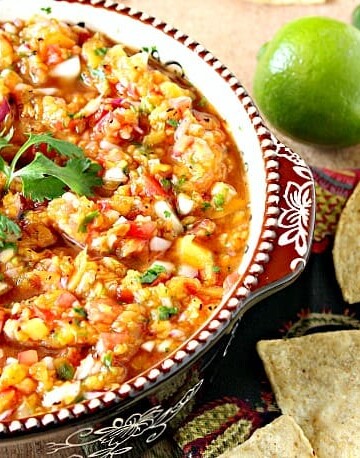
x=112, y=441
x=295, y=215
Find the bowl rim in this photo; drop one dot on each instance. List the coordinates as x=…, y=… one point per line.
x=286, y=175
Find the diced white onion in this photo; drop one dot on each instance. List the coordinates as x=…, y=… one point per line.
x=185, y=204
x=4, y=287
x=120, y=220
x=111, y=240
x=164, y=211
x=68, y=69
x=115, y=174
x=148, y=346
x=177, y=334
x=88, y=366
x=46, y=90
x=105, y=144
x=184, y=270
x=159, y=244
x=49, y=361
x=166, y=302
x=224, y=189
x=164, y=345
x=65, y=392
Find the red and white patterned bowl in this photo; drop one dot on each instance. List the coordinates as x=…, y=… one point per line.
x=282, y=209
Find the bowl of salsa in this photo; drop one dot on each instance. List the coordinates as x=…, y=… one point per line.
x=144, y=208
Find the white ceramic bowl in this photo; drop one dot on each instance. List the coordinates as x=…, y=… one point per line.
x=282, y=208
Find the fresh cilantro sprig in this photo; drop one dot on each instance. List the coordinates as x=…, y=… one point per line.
x=43, y=179
x=9, y=231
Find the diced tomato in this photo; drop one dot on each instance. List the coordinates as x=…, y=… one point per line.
x=66, y=300
x=108, y=340
x=152, y=187
x=142, y=229
x=124, y=295
x=28, y=357
x=191, y=287
x=47, y=315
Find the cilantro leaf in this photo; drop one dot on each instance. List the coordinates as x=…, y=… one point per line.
x=46, y=9
x=42, y=178
x=9, y=231
x=165, y=312
x=80, y=175
x=152, y=274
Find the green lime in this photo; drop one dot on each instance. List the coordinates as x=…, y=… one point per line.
x=307, y=81
x=355, y=17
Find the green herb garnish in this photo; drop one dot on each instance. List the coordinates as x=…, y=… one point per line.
x=172, y=122
x=9, y=231
x=80, y=311
x=150, y=49
x=152, y=274
x=43, y=179
x=167, y=214
x=219, y=200
x=65, y=370
x=107, y=360
x=205, y=205
x=179, y=183
x=216, y=269
x=166, y=312
x=87, y=220
x=101, y=51
x=165, y=183
x=46, y=9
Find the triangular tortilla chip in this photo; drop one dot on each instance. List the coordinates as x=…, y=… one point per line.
x=346, y=252
x=316, y=380
x=282, y=438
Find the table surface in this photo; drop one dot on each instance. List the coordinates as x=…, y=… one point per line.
x=234, y=30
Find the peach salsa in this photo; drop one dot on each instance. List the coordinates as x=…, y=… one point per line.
x=124, y=209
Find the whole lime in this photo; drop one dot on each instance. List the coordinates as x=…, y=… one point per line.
x=307, y=81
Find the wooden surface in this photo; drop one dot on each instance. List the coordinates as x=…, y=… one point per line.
x=234, y=30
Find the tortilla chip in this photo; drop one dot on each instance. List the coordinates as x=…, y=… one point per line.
x=282, y=438
x=316, y=380
x=346, y=252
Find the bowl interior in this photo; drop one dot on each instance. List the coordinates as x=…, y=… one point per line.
x=222, y=93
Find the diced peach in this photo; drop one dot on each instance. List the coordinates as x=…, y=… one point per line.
x=192, y=253
x=12, y=374
x=28, y=357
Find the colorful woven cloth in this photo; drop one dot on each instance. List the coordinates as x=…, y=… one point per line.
x=238, y=398
x=332, y=191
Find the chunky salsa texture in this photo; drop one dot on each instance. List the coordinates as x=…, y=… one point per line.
x=123, y=211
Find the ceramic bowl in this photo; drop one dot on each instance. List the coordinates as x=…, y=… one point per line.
x=282, y=209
